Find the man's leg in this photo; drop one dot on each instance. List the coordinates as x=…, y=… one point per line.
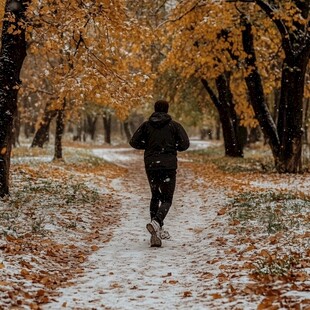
x=154, y=182
x=166, y=187
x=153, y=227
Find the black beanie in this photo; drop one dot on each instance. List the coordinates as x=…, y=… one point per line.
x=161, y=106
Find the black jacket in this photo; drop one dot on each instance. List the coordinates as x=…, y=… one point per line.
x=161, y=138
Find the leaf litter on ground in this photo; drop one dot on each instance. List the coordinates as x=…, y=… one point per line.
x=52, y=221
x=59, y=213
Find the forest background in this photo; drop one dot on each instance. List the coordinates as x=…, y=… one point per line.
x=234, y=69
x=77, y=75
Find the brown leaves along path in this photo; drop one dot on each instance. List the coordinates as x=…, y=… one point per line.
x=240, y=240
x=215, y=259
x=52, y=222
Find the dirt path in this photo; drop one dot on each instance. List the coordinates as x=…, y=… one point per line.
x=127, y=274
x=76, y=237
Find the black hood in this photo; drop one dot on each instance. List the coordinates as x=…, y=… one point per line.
x=159, y=119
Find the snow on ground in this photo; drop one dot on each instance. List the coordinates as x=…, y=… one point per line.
x=185, y=273
x=200, y=144
x=292, y=182
x=27, y=159
x=123, y=156
x=120, y=155
x=127, y=274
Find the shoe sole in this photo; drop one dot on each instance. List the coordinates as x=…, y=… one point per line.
x=155, y=240
x=165, y=237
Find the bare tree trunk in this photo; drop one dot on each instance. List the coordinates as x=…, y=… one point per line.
x=276, y=105
x=42, y=134
x=12, y=55
x=226, y=97
x=16, y=130
x=107, y=122
x=290, y=114
x=285, y=140
x=306, y=122
x=127, y=130
x=78, y=132
x=60, y=127
x=218, y=130
x=254, y=135
x=232, y=146
x=256, y=91
x=91, y=125
x=29, y=129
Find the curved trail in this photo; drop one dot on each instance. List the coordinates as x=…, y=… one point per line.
x=127, y=274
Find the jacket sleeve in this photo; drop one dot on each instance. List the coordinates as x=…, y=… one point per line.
x=182, y=140
x=138, y=140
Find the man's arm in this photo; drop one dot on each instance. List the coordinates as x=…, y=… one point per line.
x=138, y=139
x=182, y=141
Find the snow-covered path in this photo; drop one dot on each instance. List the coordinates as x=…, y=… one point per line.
x=74, y=236
x=127, y=274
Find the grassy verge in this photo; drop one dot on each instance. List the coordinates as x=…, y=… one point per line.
x=268, y=226
x=279, y=222
x=272, y=211
x=58, y=213
x=257, y=158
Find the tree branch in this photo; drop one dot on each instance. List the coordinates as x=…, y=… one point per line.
x=181, y=16
x=269, y=10
x=278, y=22
x=211, y=93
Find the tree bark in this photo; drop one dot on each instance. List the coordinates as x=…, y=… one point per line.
x=12, y=55
x=107, y=121
x=226, y=96
x=306, y=122
x=232, y=146
x=29, y=129
x=256, y=91
x=91, y=125
x=254, y=135
x=60, y=128
x=218, y=129
x=276, y=105
x=290, y=120
x=42, y=134
x=16, y=130
x=127, y=130
x=286, y=139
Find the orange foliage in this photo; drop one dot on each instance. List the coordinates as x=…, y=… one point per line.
x=205, y=40
x=85, y=52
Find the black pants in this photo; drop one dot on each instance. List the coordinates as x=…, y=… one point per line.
x=162, y=184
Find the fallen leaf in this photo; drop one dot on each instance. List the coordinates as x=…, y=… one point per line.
x=222, y=211
x=232, y=231
x=115, y=285
x=187, y=294
x=40, y=293
x=207, y=275
x=222, y=277
x=94, y=248
x=26, y=264
x=34, y=306
x=24, y=272
x=266, y=303
x=10, y=238
x=216, y=296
